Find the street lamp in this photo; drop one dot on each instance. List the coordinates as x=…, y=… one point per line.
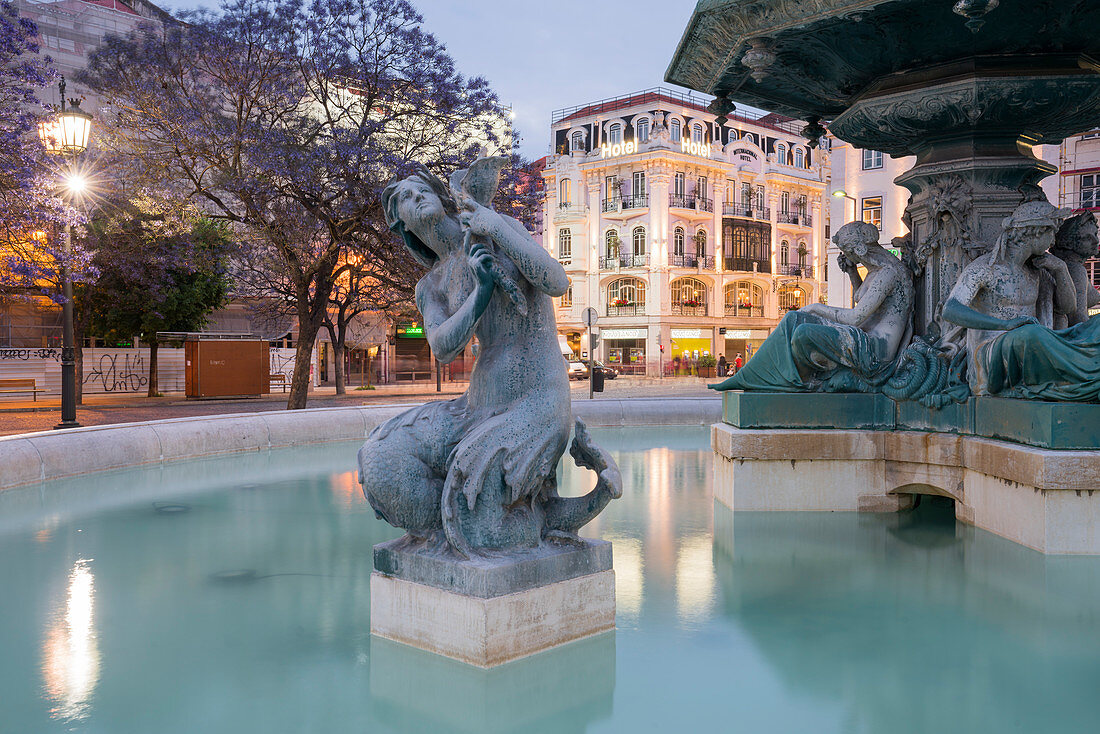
x=67, y=135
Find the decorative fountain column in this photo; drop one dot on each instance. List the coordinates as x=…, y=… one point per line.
x=937, y=389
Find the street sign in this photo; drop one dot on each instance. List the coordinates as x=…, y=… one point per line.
x=589, y=316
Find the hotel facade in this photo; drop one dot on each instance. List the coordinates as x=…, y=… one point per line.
x=689, y=235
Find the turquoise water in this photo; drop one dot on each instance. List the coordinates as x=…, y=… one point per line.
x=210, y=597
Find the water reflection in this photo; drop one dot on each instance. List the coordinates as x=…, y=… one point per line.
x=70, y=652
x=562, y=690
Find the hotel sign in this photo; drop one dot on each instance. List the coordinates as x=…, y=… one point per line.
x=686, y=146
x=611, y=151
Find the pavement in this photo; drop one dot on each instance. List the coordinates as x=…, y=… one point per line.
x=25, y=416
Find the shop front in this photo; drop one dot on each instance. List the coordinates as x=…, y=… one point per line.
x=687, y=346
x=744, y=342
x=624, y=349
x=412, y=355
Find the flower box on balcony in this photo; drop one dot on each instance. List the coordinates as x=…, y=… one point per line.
x=621, y=302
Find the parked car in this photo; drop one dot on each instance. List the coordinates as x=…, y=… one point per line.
x=578, y=370
x=609, y=373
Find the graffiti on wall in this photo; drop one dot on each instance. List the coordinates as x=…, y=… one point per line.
x=118, y=373
x=27, y=354
x=282, y=362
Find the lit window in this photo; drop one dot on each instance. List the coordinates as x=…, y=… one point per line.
x=1090, y=191
x=565, y=245
x=567, y=297
x=674, y=130
x=566, y=191
x=689, y=293
x=791, y=298
x=641, y=130
x=678, y=241
x=744, y=299
x=626, y=292
x=799, y=159
x=615, y=134
x=872, y=211
x=872, y=159
x=781, y=154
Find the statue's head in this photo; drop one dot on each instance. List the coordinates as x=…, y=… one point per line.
x=1077, y=235
x=413, y=206
x=1032, y=225
x=855, y=239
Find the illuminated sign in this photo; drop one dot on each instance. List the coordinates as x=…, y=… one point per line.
x=686, y=146
x=411, y=331
x=610, y=151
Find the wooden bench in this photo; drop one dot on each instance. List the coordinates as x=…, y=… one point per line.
x=278, y=379
x=21, y=385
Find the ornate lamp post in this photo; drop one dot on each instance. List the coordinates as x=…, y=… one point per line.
x=67, y=136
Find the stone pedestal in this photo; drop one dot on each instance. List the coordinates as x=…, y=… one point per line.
x=489, y=611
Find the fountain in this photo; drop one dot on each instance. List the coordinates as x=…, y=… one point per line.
x=983, y=400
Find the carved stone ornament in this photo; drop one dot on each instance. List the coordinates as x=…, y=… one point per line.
x=973, y=10
x=759, y=58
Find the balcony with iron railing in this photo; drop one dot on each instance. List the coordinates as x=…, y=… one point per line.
x=682, y=201
x=689, y=309
x=624, y=261
x=747, y=265
x=630, y=309
x=737, y=309
x=747, y=212
x=801, y=220
x=569, y=209
x=689, y=260
x=618, y=203
x=799, y=271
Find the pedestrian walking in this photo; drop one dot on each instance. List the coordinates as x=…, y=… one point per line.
x=737, y=363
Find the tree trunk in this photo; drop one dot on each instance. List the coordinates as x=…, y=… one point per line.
x=153, y=386
x=300, y=380
x=338, y=363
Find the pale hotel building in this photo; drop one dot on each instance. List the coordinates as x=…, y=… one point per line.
x=689, y=236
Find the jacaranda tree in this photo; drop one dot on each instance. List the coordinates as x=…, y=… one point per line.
x=288, y=117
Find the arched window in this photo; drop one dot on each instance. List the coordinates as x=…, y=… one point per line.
x=611, y=244
x=744, y=298
x=565, y=245
x=567, y=297
x=626, y=297
x=641, y=130
x=781, y=154
x=637, y=241
x=565, y=192
x=678, y=242
x=689, y=297
x=615, y=133
x=802, y=253
x=799, y=159
x=697, y=133
x=701, y=243
x=785, y=253
x=791, y=298
x=674, y=130
x=577, y=141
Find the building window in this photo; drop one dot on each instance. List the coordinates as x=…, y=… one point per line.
x=801, y=205
x=744, y=299
x=701, y=184
x=678, y=184
x=626, y=292
x=615, y=134
x=803, y=251
x=697, y=133
x=611, y=244
x=678, y=242
x=674, y=130
x=872, y=211
x=611, y=184
x=785, y=253
x=641, y=130
x=567, y=297
x=565, y=245
x=1090, y=191
x=637, y=238
x=638, y=185
x=701, y=243
x=746, y=196
x=872, y=159
x=781, y=154
x=785, y=203
x=760, y=199
x=727, y=240
x=799, y=159
x=791, y=298
x=689, y=294
x=740, y=242
x=577, y=141
x=731, y=191
x=565, y=191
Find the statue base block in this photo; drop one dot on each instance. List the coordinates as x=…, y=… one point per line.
x=867, y=411
x=488, y=611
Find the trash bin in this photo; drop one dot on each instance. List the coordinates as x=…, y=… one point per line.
x=597, y=380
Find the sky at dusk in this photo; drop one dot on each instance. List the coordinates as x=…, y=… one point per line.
x=541, y=56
